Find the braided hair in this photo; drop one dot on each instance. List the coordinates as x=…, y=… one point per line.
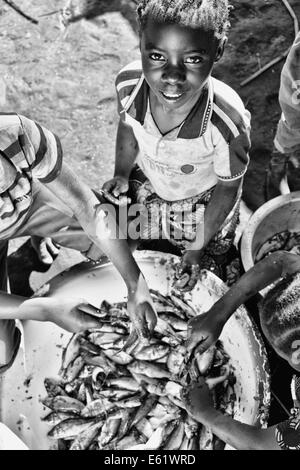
x=280, y=313
x=212, y=15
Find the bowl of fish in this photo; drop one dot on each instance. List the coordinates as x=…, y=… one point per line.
x=84, y=391
x=274, y=226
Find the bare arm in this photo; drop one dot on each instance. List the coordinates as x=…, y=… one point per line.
x=91, y=216
x=240, y=436
x=220, y=205
x=205, y=329
x=126, y=152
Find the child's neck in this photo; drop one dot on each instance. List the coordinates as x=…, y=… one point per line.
x=167, y=119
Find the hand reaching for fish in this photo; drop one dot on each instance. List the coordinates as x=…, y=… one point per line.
x=197, y=399
x=141, y=311
x=203, y=332
x=71, y=314
x=187, y=272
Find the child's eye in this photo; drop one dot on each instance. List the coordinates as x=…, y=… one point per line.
x=193, y=60
x=157, y=57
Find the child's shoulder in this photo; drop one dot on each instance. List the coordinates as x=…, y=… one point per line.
x=131, y=72
x=225, y=95
x=228, y=107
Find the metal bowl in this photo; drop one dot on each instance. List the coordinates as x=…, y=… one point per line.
x=276, y=215
x=21, y=408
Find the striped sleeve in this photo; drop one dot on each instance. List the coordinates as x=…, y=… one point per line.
x=288, y=133
x=43, y=150
x=126, y=82
x=231, y=134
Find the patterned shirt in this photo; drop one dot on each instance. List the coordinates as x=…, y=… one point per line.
x=288, y=432
x=27, y=151
x=288, y=133
x=211, y=144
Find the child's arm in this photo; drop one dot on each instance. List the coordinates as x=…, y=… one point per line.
x=70, y=314
x=126, y=152
x=199, y=405
x=91, y=216
x=220, y=205
x=205, y=329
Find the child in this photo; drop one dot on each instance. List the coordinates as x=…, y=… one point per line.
x=183, y=136
x=41, y=196
x=280, y=321
x=286, y=156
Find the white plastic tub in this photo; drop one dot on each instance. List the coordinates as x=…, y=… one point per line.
x=20, y=407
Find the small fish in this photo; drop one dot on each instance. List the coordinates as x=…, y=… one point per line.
x=54, y=387
x=119, y=358
x=70, y=352
x=184, y=306
x=205, y=360
x=144, y=427
x=144, y=409
x=64, y=404
x=175, y=439
x=151, y=370
x=176, y=359
x=176, y=323
x=84, y=439
x=127, y=383
x=206, y=439
x=89, y=347
x=73, y=369
x=96, y=407
x=152, y=352
x=69, y=428
x=56, y=417
x=109, y=430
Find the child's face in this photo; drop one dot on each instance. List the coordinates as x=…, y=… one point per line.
x=294, y=357
x=177, y=62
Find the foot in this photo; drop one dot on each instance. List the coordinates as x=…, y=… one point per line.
x=45, y=249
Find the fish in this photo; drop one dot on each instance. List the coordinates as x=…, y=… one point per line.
x=151, y=370
x=205, y=360
x=127, y=383
x=54, y=387
x=206, y=439
x=84, y=439
x=144, y=427
x=175, y=322
x=64, y=404
x=56, y=417
x=96, y=407
x=109, y=430
x=70, y=352
x=73, y=369
x=175, y=439
x=69, y=428
x=144, y=409
x=152, y=352
x=119, y=358
x=184, y=306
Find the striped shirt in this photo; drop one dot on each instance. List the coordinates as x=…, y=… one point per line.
x=27, y=151
x=287, y=138
x=211, y=144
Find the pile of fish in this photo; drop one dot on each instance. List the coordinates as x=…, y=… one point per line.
x=106, y=398
x=286, y=240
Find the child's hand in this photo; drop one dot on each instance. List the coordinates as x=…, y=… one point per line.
x=73, y=315
x=115, y=189
x=141, y=310
x=197, y=399
x=203, y=331
x=187, y=272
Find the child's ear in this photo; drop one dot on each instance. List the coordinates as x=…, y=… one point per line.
x=221, y=48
